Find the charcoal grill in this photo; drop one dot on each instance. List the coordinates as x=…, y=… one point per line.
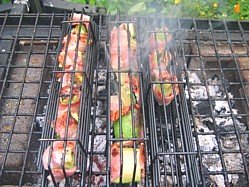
x=200, y=139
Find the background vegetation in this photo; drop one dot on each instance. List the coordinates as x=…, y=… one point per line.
x=229, y=9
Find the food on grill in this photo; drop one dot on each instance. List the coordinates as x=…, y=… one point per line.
x=128, y=126
x=68, y=79
x=126, y=107
x=61, y=125
x=129, y=158
x=129, y=91
x=53, y=160
x=115, y=107
x=123, y=47
x=67, y=92
x=72, y=60
x=164, y=91
x=80, y=17
x=164, y=58
x=160, y=39
x=159, y=59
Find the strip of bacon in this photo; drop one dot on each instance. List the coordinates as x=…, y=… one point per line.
x=159, y=39
x=55, y=153
x=167, y=91
x=120, y=37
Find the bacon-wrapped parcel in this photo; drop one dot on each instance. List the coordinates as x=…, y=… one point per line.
x=159, y=63
x=130, y=95
x=128, y=164
x=165, y=92
x=123, y=44
x=53, y=159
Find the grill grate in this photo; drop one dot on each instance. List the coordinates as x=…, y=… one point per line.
x=212, y=56
x=56, y=94
x=200, y=138
x=27, y=52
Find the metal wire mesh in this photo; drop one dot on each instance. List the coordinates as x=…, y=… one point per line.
x=82, y=78
x=27, y=52
x=200, y=137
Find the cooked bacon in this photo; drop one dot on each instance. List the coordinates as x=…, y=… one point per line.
x=55, y=155
x=162, y=62
x=120, y=37
x=67, y=79
x=60, y=125
x=115, y=108
x=63, y=109
x=71, y=60
x=160, y=39
x=128, y=163
x=79, y=18
x=70, y=42
x=167, y=91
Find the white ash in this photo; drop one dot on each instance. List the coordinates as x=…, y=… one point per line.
x=213, y=87
x=99, y=163
x=102, y=75
x=197, y=91
x=225, y=124
x=233, y=162
x=218, y=180
x=101, y=88
x=210, y=159
x=99, y=108
x=207, y=142
x=40, y=120
x=99, y=143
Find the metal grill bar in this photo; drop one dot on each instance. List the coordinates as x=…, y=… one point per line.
x=84, y=106
x=220, y=34
x=23, y=84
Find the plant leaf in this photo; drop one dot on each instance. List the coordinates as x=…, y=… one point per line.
x=139, y=7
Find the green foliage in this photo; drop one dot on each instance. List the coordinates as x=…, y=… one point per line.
x=216, y=9
x=5, y=1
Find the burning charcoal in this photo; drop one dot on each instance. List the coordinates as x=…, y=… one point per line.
x=99, y=143
x=40, y=121
x=208, y=142
x=209, y=124
x=99, y=163
x=102, y=75
x=203, y=108
x=98, y=180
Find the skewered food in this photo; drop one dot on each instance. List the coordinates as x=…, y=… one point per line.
x=72, y=60
x=123, y=47
x=128, y=163
x=160, y=39
x=164, y=93
x=159, y=61
x=53, y=160
x=127, y=126
x=129, y=91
